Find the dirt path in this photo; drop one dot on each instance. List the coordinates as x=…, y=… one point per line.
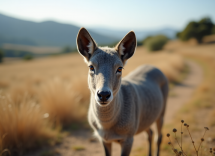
x=80, y=143
x=182, y=92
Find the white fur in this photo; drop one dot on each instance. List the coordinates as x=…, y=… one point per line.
x=85, y=60
x=91, y=47
x=121, y=49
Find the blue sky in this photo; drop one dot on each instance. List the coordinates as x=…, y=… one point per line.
x=121, y=14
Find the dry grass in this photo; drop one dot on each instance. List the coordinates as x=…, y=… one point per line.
x=62, y=100
x=177, y=139
x=4, y=84
x=18, y=93
x=23, y=126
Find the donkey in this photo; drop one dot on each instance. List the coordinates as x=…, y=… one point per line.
x=122, y=107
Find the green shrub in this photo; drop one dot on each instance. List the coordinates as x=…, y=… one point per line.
x=139, y=43
x=1, y=56
x=145, y=40
x=154, y=43
x=213, y=30
x=197, y=30
x=28, y=57
x=67, y=49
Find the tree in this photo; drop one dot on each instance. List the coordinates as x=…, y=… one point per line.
x=67, y=49
x=1, y=56
x=213, y=30
x=196, y=30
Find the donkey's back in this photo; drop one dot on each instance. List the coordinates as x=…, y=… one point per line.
x=147, y=88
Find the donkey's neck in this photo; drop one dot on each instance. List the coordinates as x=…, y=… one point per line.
x=107, y=115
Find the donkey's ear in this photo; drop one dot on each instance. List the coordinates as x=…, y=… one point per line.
x=126, y=46
x=85, y=43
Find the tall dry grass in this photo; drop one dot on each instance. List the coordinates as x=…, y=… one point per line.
x=23, y=125
x=64, y=102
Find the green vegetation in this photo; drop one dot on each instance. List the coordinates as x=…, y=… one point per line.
x=28, y=57
x=213, y=30
x=147, y=38
x=139, y=43
x=15, y=53
x=1, y=55
x=78, y=148
x=197, y=30
x=68, y=49
x=154, y=43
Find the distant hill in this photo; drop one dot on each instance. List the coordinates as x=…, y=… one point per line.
x=48, y=33
x=140, y=34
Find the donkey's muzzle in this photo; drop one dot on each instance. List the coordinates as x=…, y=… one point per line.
x=104, y=95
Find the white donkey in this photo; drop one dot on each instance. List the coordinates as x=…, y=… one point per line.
x=120, y=108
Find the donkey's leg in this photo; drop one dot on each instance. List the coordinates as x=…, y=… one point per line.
x=159, y=123
x=150, y=133
x=126, y=146
x=160, y=120
x=107, y=148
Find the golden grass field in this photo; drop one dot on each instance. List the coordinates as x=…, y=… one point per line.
x=39, y=96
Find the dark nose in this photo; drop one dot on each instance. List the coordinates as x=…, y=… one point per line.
x=104, y=95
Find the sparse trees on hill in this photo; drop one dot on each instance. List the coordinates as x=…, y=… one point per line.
x=196, y=30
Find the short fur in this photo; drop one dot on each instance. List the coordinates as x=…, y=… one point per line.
x=136, y=101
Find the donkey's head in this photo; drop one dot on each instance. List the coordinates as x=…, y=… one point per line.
x=105, y=64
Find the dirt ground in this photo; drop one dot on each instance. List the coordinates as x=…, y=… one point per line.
x=82, y=143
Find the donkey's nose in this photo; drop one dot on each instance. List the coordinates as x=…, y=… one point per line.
x=104, y=95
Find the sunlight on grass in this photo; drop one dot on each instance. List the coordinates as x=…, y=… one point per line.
x=23, y=125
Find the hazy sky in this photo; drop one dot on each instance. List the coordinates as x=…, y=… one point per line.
x=126, y=14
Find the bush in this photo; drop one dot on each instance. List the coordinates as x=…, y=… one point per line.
x=67, y=49
x=155, y=43
x=197, y=30
x=145, y=40
x=213, y=30
x=28, y=57
x=1, y=56
x=139, y=43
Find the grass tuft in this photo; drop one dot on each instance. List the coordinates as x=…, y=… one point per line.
x=22, y=125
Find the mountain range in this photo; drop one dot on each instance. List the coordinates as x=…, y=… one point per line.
x=47, y=33
x=51, y=33
x=140, y=34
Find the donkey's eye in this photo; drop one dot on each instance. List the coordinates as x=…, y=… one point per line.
x=91, y=68
x=119, y=70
